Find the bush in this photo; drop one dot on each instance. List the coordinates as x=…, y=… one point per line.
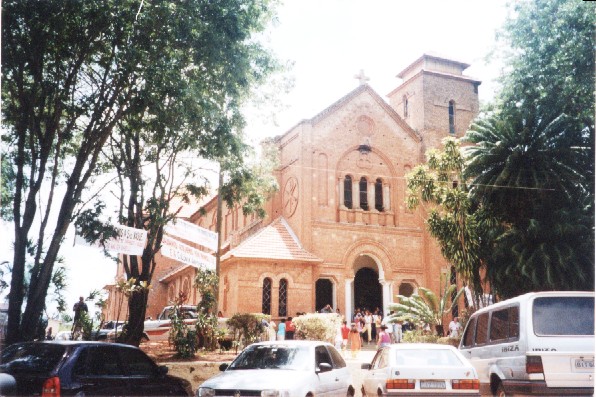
x=247, y=327
x=418, y=336
x=317, y=326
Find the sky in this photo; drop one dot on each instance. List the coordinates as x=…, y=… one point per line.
x=328, y=43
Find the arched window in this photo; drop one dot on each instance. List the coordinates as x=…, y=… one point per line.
x=379, y=195
x=452, y=116
x=405, y=100
x=266, y=304
x=348, y=191
x=283, y=297
x=363, y=186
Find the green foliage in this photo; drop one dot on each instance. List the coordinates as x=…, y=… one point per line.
x=532, y=159
x=181, y=335
x=207, y=326
x=425, y=307
x=419, y=336
x=461, y=227
x=247, y=327
x=317, y=326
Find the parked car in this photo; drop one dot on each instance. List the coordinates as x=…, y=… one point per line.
x=110, y=331
x=69, y=368
x=159, y=329
x=293, y=368
x=419, y=369
x=540, y=343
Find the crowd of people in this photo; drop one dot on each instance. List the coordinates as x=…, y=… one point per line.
x=366, y=327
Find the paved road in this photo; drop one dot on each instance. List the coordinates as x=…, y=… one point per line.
x=364, y=356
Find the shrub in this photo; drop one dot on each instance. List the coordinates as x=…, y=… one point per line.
x=247, y=327
x=317, y=326
x=418, y=336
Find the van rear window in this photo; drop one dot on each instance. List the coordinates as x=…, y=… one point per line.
x=563, y=315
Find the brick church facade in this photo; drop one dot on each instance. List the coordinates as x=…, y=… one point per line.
x=338, y=232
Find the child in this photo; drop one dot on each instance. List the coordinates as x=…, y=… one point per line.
x=383, y=338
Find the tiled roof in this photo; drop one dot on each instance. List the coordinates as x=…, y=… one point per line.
x=275, y=241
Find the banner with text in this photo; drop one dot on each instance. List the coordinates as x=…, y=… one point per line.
x=175, y=249
x=191, y=232
x=130, y=241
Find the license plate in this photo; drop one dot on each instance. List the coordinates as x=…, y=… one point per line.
x=432, y=384
x=582, y=364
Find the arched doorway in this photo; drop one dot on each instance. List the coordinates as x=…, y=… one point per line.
x=367, y=289
x=324, y=293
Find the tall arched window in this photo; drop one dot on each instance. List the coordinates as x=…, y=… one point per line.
x=379, y=195
x=405, y=100
x=363, y=186
x=452, y=116
x=348, y=191
x=283, y=297
x=266, y=304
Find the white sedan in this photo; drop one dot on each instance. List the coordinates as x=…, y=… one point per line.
x=293, y=368
x=419, y=369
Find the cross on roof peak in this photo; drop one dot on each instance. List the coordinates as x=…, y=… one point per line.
x=361, y=77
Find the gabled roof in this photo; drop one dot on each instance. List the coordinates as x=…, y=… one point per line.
x=276, y=241
x=351, y=95
x=174, y=272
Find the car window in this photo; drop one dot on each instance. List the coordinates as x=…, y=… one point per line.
x=376, y=358
x=338, y=360
x=469, y=334
x=98, y=361
x=383, y=360
x=481, y=329
x=427, y=357
x=504, y=324
x=566, y=310
x=136, y=363
x=273, y=357
x=322, y=356
x=31, y=357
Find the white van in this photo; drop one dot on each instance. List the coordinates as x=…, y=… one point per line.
x=540, y=343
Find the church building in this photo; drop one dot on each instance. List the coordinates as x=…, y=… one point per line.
x=338, y=231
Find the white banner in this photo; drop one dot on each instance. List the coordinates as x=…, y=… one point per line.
x=175, y=249
x=130, y=241
x=193, y=233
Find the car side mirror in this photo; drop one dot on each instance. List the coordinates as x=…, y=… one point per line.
x=324, y=367
x=365, y=366
x=224, y=366
x=162, y=370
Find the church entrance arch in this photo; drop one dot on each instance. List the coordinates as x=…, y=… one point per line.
x=368, y=293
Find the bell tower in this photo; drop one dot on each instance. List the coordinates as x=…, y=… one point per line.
x=435, y=98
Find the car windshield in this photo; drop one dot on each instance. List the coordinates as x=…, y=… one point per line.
x=427, y=358
x=272, y=357
x=31, y=357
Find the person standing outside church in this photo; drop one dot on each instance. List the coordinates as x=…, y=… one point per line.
x=454, y=328
x=281, y=329
x=78, y=309
x=354, y=341
x=290, y=329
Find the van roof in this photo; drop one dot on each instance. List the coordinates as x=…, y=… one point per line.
x=532, y=295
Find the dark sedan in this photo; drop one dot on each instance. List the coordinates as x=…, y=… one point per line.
x=69, y=368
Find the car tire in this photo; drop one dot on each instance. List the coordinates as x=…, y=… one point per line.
x=500, y=392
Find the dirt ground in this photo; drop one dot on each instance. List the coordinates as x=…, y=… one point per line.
x=196, y=370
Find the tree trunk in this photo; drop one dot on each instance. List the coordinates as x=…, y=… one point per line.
x=137, y=308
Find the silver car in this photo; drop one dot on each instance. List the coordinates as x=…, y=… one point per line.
x=291, y=368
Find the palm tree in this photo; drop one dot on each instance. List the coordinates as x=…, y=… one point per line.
x=425, y=306
x=532, y=170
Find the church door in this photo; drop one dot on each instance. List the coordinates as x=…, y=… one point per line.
x=368, y=292
x=324, y=293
